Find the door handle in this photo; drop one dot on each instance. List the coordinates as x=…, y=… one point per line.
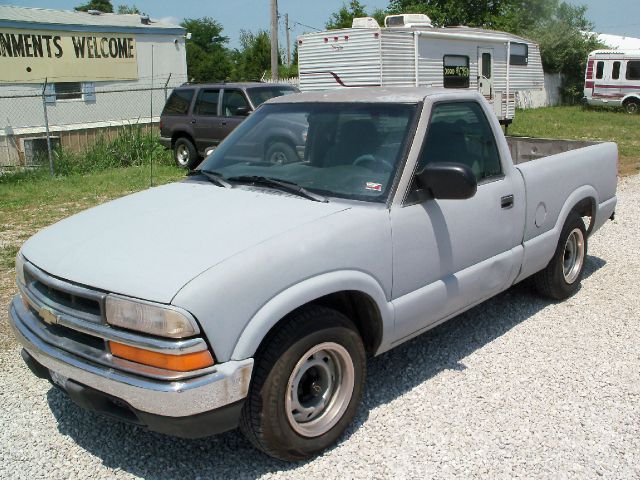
x=506, y=201
x=224, y=122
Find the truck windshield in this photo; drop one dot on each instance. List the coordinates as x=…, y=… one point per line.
x=346, y=150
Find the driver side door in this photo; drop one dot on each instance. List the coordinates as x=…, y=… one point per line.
x=451, y=254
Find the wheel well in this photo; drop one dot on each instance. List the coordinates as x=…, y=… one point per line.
x=273, y=140
x=356, y=306
x=586, y=208
x=178, y=135
x=631, y=99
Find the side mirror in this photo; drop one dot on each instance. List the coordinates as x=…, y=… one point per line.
x=448, y=181
x=243, y=111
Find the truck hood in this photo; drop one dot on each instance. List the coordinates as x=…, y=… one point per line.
x=150, y=244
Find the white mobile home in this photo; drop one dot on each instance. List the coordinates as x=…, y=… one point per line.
x=408, y=51
x=613, y=78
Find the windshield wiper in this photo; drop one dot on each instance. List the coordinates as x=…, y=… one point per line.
x=213, y=177
x=284, y=185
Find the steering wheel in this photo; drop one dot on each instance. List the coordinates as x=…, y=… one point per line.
x=373, y=163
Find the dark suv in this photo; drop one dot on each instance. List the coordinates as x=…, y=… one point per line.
x=199, y=116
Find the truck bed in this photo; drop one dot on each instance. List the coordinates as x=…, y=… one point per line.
x=525, y=149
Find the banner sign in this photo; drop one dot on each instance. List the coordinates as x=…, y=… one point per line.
x=30, y=56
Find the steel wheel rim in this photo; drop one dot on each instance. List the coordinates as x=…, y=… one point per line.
x=182, y=154
x=319, y=389
x=573, y=257
x=632, y=107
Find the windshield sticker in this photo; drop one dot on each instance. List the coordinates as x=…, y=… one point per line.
x=377, y=187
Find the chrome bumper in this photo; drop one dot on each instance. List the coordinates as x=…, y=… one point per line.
x=228, y=383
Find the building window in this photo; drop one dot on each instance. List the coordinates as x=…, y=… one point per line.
x=633, y=70
x=615, y=72
x=519, y=54
x=455, y=71
x=68, y=90
x=599, y=70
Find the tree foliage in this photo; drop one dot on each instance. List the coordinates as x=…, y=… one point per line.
x=128, y=10
x=254, y=56
x=100, y=5
x=343, y=18
x=207, y=56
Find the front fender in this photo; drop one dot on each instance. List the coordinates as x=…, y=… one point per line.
x=307, y=291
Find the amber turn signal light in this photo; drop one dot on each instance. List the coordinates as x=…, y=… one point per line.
x=180, y=363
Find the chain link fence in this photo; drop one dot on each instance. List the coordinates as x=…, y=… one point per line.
x=35, y=120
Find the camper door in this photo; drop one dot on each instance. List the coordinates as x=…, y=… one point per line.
x=486, y=80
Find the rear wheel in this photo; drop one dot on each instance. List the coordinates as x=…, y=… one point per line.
x=280, y=153
x=632, y=106
x=307, y=385
x=561, y=278
x=185, y=153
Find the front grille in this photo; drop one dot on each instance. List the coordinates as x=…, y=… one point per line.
x=68, y=300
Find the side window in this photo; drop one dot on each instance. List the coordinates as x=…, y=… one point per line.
x=460, y=132
x=633, y=70
x=615, y=72
x=207, y=103
x=178, y=103
x=455, y=71
x=519, y=54
x=233, y=102
x=486, y=65
x=599, y=70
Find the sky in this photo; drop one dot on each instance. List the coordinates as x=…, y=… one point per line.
x=620, y=17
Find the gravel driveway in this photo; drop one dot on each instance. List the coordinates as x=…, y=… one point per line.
x=517, y=387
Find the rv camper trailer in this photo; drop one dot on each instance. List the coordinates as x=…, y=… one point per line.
x=613, y=78
x=409, y=51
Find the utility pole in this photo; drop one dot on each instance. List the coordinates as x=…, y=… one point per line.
x=286, y=27
x=274, y=40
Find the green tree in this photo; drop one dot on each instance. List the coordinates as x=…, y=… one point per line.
x=564, y=46
x=253, y=58
x=127, y=10
x=100, y=5
x=343, y=18
x=208, y=59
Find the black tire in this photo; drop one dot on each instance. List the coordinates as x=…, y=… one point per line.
x=632, y=106
x=185, y=154
x=280, y=153
x=266, y=421
x=562, y=276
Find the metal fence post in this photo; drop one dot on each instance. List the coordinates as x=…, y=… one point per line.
x=46, y=125
x=166, y=85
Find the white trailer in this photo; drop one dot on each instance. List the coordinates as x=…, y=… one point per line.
x=408, y=51
x=613, y=78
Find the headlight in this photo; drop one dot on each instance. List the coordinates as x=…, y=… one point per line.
x=149, y=318
x=20, y=269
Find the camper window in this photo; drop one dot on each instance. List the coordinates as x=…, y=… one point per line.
x=519, y=54
x=633, y=70
x=455, y=71
x=615, y=71
x=599, y=70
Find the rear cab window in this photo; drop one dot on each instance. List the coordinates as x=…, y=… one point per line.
x=179, y=102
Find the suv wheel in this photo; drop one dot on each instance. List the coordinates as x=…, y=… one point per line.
x=280, y=153
x=185, y=153
x=632, y=106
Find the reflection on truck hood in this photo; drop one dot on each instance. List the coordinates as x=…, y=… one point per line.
x=148, y=245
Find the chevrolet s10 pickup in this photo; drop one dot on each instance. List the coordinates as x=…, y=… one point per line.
x=252, y=292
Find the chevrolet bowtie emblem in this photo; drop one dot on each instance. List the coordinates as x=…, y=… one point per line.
x=48, y=316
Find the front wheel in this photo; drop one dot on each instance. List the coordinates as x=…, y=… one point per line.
x=307, y=385
x=561, y=278
x=280, y=153
x=632, y=106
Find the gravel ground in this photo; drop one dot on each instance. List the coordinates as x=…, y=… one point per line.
x=517, y=387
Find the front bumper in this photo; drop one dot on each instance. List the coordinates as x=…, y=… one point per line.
x=226, y=386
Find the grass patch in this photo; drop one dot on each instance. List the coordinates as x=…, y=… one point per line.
x=583, y=123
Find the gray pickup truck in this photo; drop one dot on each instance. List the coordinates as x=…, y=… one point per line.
x=258, y=305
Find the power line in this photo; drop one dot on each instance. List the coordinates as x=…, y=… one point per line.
x=295, y=22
